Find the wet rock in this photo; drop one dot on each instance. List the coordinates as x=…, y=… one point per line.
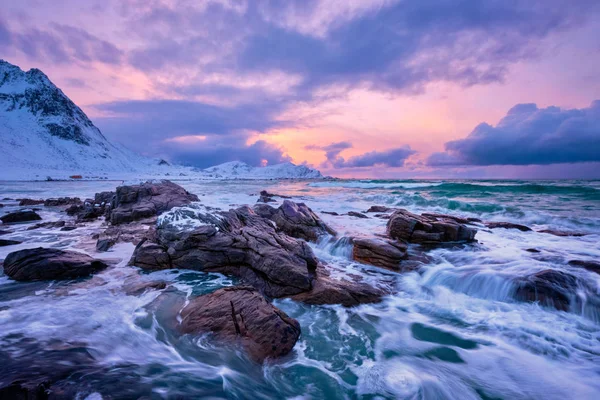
x=507, y=225
x=126, y=233
x=549, y=287
x=138, y=288
x=383, y=216
x=299, y=221
x=330, y=213
x=49, y=264
x=239, y=243
x=592, y=266
x=460, y=220
x=20, y=216
x=357, y=214
x=47, y=225
x=556, y=232
x=379, y=209
x=379, y=252
x=30, y=202
x=5, y=242
x=85, y=212
x=68, y=228
x=1, y=205
x=241, y=316
x=4, y=232
x=132, y=203
x=532, y=250
x=328, y=290
x=62, y=201
x=415, y=228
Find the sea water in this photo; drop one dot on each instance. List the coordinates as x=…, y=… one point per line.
x=452, y=330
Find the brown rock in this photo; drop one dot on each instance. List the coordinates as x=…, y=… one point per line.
x=20, y=216
x=556, y=232
x=508, y=225
x=379, y=252
x=299, y=221
x=30, y=202
x=415, y=228
x=241, y=316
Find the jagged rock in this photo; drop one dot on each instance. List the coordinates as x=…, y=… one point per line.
x=330, y=213
x=104, y=198
x=132, y=203
x=508, y=225
x=379, y=252
x=47, y=225
x=20, y=216
x=327, y=290
x=380, y=209
x=415, y=228
x=126, y=233
x=357, y=214
x=460, y=220
x=138, y=288
x=241, y=316
x=163, y=162
x=592, y=266
x=48, y=264
x=86, y=211
x=556, y=232
x=299, y=221
x=266, y=197
x=6, y=242
x=240, y=243
x=30, y=202
x=549, y=287
x=62, y=201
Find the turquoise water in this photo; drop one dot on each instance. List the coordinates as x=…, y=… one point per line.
x=452, y=330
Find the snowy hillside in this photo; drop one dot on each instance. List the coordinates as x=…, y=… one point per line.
x=240, y=170
x=41, y=129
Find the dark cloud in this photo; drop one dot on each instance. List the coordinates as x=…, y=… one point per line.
x=214, y=151
x=59, y=44
x=529, y=135
x=389, y=158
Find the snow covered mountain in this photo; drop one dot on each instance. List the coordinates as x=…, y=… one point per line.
x=44, y=134
x=41, y=129
x=240, y=170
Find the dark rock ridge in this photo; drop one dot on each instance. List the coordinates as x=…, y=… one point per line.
x=266, y=197
x=549, y=287
x=379, y=252
x=296, y=220
x=592, y=266
x=49, y=264
x=62, y=201
x=47, y=225
x=415, y=228
x=241, y=316
x=30, y=202
x=132, y=203
x=20, y=216
x=357, y=214
x=507, y=225
x=6, y=242
x=379, y=209
x=556, y=232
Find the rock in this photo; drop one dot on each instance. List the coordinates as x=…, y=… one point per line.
x=383, y=216
x=47, y=225
x=299, y=221
x=30, y=202
x=532, y=250
x=507, y=225
x=379, y=209
x=1, y=205
x=138, y=288
x=357, y=214
x=49, y=264
x=163, y=162
x=104, y=198
x=592, y=266
x=4, y=232
x=266, y=197
x=20, y=216
x=239, y=243
x=132, y=203
x=415, y=228
x=460, y=220
x=126, y=233
x=330, y=213
x=62, y=201
x=241, y=316
x=556, y=232
x=68, y=228
x=549, y=287
x=5, y=242
x=379, y=252
x=327, y=290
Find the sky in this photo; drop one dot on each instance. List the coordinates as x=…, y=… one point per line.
x=366, y=89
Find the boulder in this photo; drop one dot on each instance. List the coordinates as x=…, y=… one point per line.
x=592, y=266
x=379, y=209
x=132, y=203
x=126, y=233
x=239, y=243
x=6, y=242
x=357, y=214
x=47, y=225
x=241, y=316
x=49, y=264
x=62, y=201
x=86, y=211
x=549, y=287
x=20, y=216
x=460, y=220
x=299, y=221
x=379, y=252
x=415, y=228
x=30, y=202
x=507, y=225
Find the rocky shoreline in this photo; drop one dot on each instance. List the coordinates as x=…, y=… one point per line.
x=266, y=248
